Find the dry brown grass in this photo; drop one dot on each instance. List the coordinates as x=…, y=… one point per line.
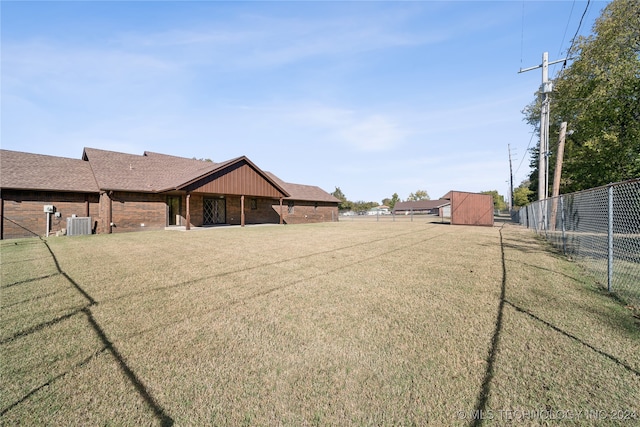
x=350, y=323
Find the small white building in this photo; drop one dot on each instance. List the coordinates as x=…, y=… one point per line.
x=380, y=210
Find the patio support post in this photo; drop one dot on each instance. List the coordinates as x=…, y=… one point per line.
x=109, y=212
x=188, y=225
x=280, y=210
x=1, y=217
x=242, y=211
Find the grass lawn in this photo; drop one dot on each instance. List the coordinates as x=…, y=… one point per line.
x=349, y=323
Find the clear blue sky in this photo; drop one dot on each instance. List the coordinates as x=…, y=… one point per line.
x=373, y=97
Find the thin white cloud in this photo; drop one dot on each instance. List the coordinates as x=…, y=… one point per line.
x=357, y=130
x=373, y=133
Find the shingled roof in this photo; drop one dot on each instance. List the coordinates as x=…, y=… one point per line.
x=304, y=192
x=151, y=172
x=101, y=170
x=27, y=171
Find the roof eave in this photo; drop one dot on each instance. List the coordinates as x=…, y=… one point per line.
x=53, y=190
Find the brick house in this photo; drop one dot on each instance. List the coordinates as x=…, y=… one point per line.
x=420, y=207
x=125, y=192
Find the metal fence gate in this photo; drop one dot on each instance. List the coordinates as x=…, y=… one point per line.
x=214, y=211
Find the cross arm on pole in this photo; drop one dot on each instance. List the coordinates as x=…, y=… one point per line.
x=557, y=61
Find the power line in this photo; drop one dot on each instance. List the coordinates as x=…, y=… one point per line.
x=522, y=36
x=575, y=36
x=527, y=149
x=566, y=28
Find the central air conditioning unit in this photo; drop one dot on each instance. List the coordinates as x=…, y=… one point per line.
x=78, y=226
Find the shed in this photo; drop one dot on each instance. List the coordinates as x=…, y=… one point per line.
x=470, y=208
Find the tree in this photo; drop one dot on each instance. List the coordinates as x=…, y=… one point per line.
x=498, y=200
x=394, y=199
x=418, y=195
x=599, y=96
x=338, y=194
x=362, y=206
x=391, y=202
x=344, y=204
x=521, y=194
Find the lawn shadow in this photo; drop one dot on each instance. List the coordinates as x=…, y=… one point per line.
x=573, y=337
x=269, y=290
x=161, y=415
x=51, y=381
x=268, y=264
x=34, y=279
x=485, y=389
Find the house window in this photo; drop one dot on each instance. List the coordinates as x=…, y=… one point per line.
x=315, y=207
x=290, y=207
x=254, y=204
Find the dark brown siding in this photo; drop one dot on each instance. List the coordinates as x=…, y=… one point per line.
x=237, y=179
x=471, y=208
x=23, y=214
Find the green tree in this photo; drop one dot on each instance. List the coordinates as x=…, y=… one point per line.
x=344, y=204
x=391, y=202
x=362, y=206
x=599, y=96
x=521, y=194
x=394, y=199
x=418, y=195
x=498, y=200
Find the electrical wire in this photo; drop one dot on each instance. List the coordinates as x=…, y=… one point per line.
x=522, y=36
x=564, y=36
x=566, y=28
x=575, y=36
x=523, y=156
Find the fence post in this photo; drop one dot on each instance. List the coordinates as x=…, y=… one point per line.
x=545, y=217
x=564, y=235
x=610, y=238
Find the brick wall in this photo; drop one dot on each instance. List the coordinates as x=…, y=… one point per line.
x=263, y=214
x=196, y=204
x=131, y=210
x=308, y=212
x=23, y=214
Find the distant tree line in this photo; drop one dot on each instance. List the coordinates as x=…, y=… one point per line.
x=362, y=206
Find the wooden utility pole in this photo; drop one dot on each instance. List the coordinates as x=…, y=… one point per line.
x=557, y=174
x=558, y=171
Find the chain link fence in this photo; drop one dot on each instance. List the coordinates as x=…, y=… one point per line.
x=599, y=228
